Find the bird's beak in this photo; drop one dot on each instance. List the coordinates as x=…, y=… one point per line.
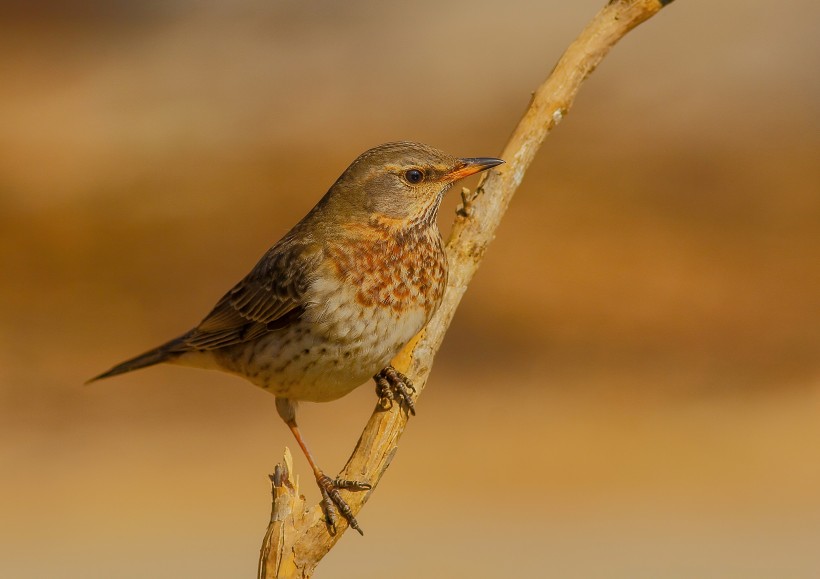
x=467, y=167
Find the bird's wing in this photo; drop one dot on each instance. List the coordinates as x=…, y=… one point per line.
x=269, y=298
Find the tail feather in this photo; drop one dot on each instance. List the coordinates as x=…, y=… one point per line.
x=164, y=353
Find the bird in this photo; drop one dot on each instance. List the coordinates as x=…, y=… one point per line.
x=330, y=304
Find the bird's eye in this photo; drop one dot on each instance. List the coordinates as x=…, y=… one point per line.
x=414, y=176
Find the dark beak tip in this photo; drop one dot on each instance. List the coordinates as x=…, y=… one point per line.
x=483, y=162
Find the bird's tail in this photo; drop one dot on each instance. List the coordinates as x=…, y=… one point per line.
x=164, y=353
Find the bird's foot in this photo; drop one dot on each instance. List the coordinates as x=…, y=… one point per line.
x=393, y=385
x=333, y=503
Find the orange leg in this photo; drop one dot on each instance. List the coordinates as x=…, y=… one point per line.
x=331, y=498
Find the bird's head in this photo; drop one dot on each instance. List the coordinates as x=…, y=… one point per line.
x=402, y=181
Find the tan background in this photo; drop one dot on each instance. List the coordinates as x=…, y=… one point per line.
x=630, y=388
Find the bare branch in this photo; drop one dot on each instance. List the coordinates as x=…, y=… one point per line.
x=297, y=538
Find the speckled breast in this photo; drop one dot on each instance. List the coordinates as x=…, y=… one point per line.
x=380, y=292
x=400, y=271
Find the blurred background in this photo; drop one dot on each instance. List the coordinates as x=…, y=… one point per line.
x=631, y=387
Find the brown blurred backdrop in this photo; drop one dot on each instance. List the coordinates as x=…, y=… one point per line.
x=631, y=387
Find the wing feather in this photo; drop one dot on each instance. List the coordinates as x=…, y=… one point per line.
x=269, y=298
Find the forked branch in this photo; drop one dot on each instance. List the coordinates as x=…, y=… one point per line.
x=298, y=537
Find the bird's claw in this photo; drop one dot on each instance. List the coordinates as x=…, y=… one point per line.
x=333, y=503
x=391, y=385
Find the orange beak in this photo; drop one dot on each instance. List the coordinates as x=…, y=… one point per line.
x=467, y=167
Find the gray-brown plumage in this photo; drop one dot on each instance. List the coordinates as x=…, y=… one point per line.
x=331, y=303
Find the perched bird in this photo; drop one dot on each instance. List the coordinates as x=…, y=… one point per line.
x=333, y=302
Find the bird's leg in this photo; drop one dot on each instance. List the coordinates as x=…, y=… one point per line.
x=391, y=385
x=332, y=501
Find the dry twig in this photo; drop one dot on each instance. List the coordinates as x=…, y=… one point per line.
x=298, y=537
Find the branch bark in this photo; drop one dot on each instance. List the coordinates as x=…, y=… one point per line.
x=297, y=536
